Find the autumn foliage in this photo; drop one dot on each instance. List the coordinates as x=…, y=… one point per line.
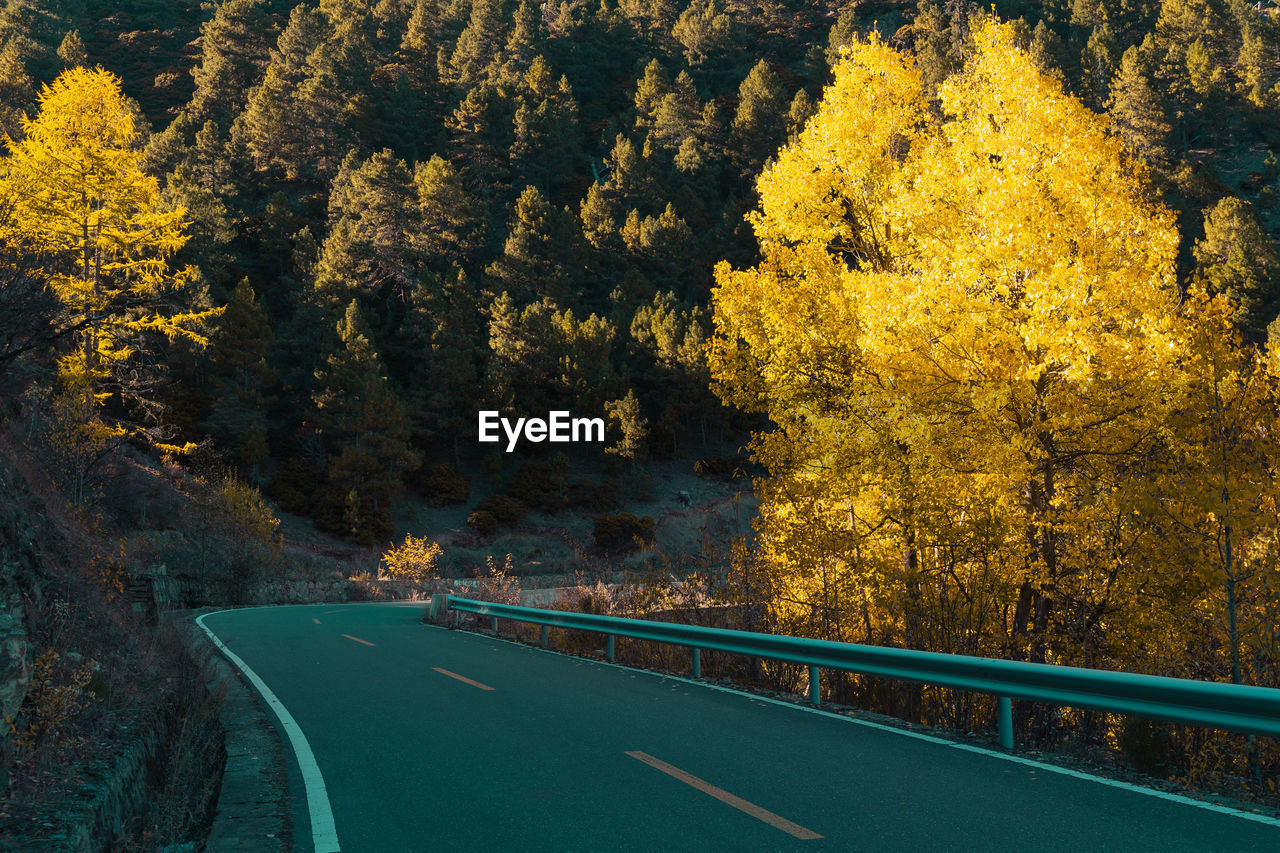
x=999, y=424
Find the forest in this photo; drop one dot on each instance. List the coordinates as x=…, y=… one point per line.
x=988, y=293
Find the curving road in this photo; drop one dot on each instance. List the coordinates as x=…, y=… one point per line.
x=435, y=740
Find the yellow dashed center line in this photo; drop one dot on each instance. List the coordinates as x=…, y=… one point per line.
x=724, y=796
x=462, y=678
x=357, y=639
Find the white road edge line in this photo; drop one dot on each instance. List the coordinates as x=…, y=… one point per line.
x=323, y=833
x=1003, y=756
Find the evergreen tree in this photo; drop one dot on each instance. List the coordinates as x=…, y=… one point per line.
x=938, y=40
x=542, y=255
x=651, y=88
x=449, y=219
x=297, y=120
x=439, y=346
x=542, y=358
x=522, y=45
x=72, y=50
x=547, y=141
x=479, y=137
x=1237, y=258
x=633, y=430
x=1255, y=64
x=372, y=250
x=631, y=176
x=600, y=219
x=759, y=124
x=364, y=429
x=479, y=46
x=234, y=47
x=240, y=379
x=703, y=30
x=1098, y=62
x=1137, y=110
x=677, y=119
x=210, y=227
x=16, y=91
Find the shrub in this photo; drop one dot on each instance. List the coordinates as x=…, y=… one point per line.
x=443, y=486
x=587, y=495
x=581, y=494
x=504, y=508
x=615, y=532
x=59, y=691
x=495, y=582
x=413, y=560
x=541, y=485
x=482, y=522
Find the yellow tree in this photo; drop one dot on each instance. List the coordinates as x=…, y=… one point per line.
x=967, y=331
x=1217, y=491
x=87, y=206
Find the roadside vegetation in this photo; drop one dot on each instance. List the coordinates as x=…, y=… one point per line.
x=932, y=324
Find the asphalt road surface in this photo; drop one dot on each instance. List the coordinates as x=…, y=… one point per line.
x=436, y=740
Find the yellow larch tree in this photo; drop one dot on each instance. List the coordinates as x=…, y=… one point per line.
x=106, y=238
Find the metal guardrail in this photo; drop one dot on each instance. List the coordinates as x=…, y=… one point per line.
x=1236, y=707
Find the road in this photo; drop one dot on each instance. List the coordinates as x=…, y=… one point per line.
x=436, y=740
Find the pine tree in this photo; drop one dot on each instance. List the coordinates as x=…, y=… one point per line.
x=1256, y=70
x=1137, y=109
x=372, y=250
x=1238, y=259
x=479, y=46
x=234, y=46
x=542, y=255
x=651, y=88
x=547, y=148
x=542, y=358
x=633, y=430
x=450, y=225
x=521, y=48
x=677, y=119
x=439, y=347
x=479, y=137
x=72, y=50
x=16, y=91
x=600, y=219
x=240, y=378
x=209, y=226
x=759, y=124
x=703, y=30
x=1098, y=62
x=363, y=426
x=298, y=120
x=631, y=176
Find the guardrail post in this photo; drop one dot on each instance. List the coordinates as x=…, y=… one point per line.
x=543, y=638
x=695, y=662
x=815, y=686
x=1004, y=715
x=608, y=648
x=494, y=625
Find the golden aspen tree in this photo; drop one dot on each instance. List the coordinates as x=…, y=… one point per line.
x=87, y=207
x=1217, y=497
x=966, y=329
